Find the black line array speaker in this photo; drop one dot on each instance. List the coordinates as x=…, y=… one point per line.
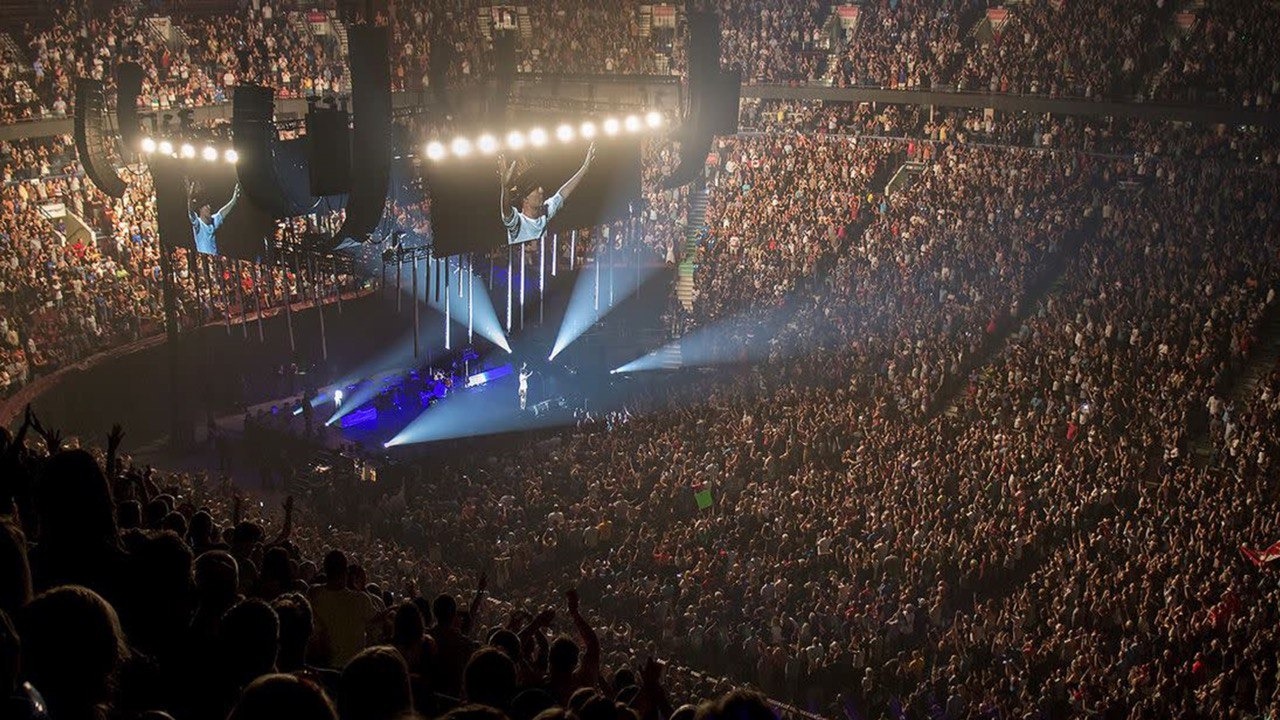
x=329, y=151
x=714, y=96
x=254, y=137
x=128, y=87
x=371, y=131
x=95, y=141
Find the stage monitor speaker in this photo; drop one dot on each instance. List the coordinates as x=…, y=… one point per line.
x=254, y=137
x=329, y=151
x=128, y=88
x=95, y=143
x=371, y=131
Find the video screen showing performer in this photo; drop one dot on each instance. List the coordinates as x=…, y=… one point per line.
x=528, y=221
x=205, y=222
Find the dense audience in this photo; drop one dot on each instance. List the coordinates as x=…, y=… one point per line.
x=1094, y=48
x=985, y=451
x=68, y=291
x=859, y=540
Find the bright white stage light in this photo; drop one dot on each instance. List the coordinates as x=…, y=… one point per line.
x=435, y=150
x=209, y=154
x=165, y=147
x=148, y=145
x=461, y=147
x=588, y=130
x=487, y=144
x=633, y=123
x=538, y=137
x=515, y=140
x=611, y=126
x=188, y=150
x=564, y=133
x=653, y=118
x=231, y=156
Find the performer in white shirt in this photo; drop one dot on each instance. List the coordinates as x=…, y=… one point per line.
x=205, y=223
x=529, y=221
x=524, y=383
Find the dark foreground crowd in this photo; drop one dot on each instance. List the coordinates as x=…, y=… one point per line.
x=129, y=594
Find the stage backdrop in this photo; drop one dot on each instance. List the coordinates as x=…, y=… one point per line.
x=465, y=213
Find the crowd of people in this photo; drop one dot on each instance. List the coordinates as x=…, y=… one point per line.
x=1096, y=48
x=70, y=289
x=862, y=541
x=986, y=458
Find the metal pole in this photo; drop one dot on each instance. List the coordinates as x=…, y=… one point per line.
x=288, y=305
x=257, y=298
x=415, y=306
x=226, y=294
x=523, y=263
x=573, y=247
x=509, y=254
x=448, y=344
x=315, y=293
x=471, y=292
x=596, y=296
x=399, y=281
x=542, y=272
x=244, y=307
x=337, y=285
x=555, y=244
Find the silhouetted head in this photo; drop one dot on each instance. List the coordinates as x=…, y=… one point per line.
x=490, y=678
x=375, y=686
x=72, y=647
x=271, y=697
x=206, y=212
x=15, y=571
x=75, y=506
x=248, y=640
x=296, y=623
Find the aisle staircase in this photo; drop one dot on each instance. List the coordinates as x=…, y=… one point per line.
x=904, y=177
x=11, y=52
x=689, y=258
x=1048, y=280
x=525, y=24
x=301, y=26
x=1240, y=385
x=670, y=357
x=340, y=32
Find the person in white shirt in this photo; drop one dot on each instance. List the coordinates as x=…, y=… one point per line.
x=524, y=384
x=529, y=221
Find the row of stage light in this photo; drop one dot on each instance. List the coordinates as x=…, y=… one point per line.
x=187, y=151
x=517, y=140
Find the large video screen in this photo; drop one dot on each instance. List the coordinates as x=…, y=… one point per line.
x=202, y=209
x=467, y=207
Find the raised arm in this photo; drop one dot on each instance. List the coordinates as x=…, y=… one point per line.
x=505, y=173
x=191, y=189
x=591, y=643
x=231, y=204
x=568, y=188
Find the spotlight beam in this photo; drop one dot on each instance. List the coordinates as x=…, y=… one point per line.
x=581, y=312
